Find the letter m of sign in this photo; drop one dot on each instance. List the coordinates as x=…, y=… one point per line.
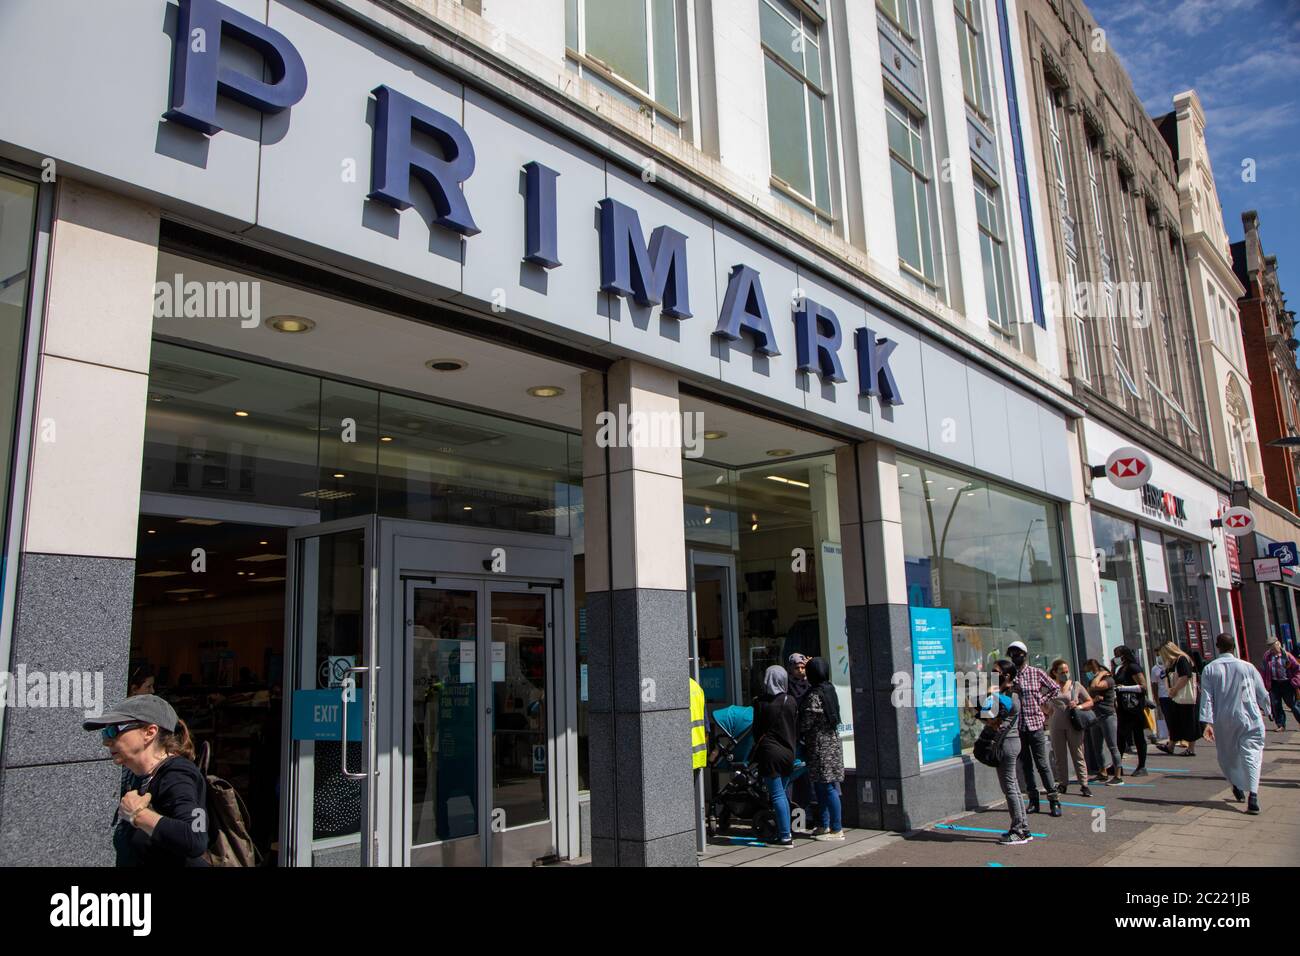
x=649, y=276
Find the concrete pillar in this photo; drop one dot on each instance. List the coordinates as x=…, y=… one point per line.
x=642, y=797
x=75, y=584
x=1080, y=560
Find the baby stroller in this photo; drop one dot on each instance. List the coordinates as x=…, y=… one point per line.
x=744, y=796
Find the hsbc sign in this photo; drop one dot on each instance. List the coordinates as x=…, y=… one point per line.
x=1166, y=504
x=1128, y=468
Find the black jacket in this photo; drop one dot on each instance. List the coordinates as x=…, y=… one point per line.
x=776, y=721
x=181, y=836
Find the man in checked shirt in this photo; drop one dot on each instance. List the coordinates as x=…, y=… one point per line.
x=1036, y=691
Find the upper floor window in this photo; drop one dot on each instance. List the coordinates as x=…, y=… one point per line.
x=993, y=253
x=631, y=47
x=902, y=16
x=974, y=61
x=1056, y=145
x=910, y=178
x=797, y=128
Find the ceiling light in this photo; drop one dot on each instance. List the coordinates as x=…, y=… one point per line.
x=339, y=474
x=202, y=522
x=291, y=324
x=906, y=474
x=467, y=508
x=151, y=531
x=929, y=481
x=714, y=436
x=263, y=542
x=241, y=414
x=445, y=364
x=260, y=558
x=159, y=397
x=546, y=391
x=788, y=481
x=385, y=437
x=952, y=487
x=780, y=452
x=159, y=574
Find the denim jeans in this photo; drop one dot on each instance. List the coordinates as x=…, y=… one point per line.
x=776, y=791
x=1283, y=695
x=828, y=800
x=1105, y=730
x=1033, y=754
x=1009, y=781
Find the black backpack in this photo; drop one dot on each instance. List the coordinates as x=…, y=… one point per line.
x=987, y=749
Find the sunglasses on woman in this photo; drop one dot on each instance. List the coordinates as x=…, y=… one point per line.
x=116, y=730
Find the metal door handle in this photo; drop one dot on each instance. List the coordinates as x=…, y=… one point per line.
x=343, y=732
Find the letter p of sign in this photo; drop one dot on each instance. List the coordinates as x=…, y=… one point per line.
x=198, y=77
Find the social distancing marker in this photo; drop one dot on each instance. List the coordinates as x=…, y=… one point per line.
x=953, y=826
x=1090, y=806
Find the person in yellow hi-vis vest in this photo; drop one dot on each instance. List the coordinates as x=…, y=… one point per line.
x=699, y=732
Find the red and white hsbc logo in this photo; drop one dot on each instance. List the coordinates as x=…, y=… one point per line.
x=1128, y=468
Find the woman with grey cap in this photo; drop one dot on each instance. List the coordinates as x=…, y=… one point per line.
x=163, y=821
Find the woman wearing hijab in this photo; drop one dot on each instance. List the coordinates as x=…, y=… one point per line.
x=797, y=672
x=775, y=718
x=819, y=721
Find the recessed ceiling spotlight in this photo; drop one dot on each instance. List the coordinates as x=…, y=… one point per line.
x=467, y=508
x=546, y=391
x=339, y=474
x=385, y=437
x=291, y=324
x=241, y=414
x=445, y=364
x=780, y=452
x=714, y=436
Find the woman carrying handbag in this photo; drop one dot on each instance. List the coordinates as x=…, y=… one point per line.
x=1068, y=726
x=1181, y=675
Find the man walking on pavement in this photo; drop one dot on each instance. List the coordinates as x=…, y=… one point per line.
x=1038, y=691
x=1233, y=704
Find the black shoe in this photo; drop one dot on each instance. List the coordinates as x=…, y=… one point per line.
x=1056, y=808
x=1015, y=838
x=1139, y=772
x=1252, y=803
x=1062, y=788
x=781, y=844
x=1032, y=805
x=1085, y=791
x=1238, y=794
x=1115, y=781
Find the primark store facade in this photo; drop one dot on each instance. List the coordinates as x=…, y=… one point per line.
x=321, y=329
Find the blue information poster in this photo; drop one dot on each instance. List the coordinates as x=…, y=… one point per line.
x=935, y=685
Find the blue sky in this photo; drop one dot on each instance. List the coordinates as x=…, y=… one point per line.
x=1243, y=59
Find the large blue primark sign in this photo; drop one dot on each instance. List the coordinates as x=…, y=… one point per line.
x=934, y=683
x=653, y=272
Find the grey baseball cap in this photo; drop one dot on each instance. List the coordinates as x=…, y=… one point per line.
x=146, y=708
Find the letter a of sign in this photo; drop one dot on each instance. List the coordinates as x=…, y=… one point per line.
x=197, y=74
x=395, y=159
x=745, y=310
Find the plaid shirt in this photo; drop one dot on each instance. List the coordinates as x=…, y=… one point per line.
x=1037, y=689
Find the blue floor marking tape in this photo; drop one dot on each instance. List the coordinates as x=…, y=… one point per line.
x=953, y=826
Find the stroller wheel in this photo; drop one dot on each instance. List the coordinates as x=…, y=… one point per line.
x=765, y=824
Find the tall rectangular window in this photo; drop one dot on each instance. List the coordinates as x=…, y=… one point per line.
x=17, y=224
x=901, y=16
x=909, y=171
x=797, y=132
x=974, y=61
x=993, y=252
x=630, y=47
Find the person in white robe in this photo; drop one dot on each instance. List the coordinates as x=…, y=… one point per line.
x=1233, y=705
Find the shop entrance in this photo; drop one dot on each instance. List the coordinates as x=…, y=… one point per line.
x=429, y=702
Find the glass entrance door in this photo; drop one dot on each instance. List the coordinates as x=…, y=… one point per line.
x=480, y=781
x=331, y=703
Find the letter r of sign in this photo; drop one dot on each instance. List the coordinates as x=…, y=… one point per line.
x=198, y=77
x=395, y=159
